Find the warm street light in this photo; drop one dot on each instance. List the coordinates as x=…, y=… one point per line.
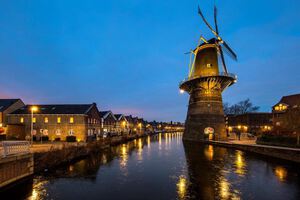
x=181, y=91
x=33, y=109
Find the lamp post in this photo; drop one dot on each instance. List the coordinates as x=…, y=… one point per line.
x=33, y=109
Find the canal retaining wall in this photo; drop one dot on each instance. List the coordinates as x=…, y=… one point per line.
x=285, y=153
x=53, y=158
x=14, y=168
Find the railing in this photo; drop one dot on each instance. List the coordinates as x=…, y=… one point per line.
x=220, y=74
x=14, y=147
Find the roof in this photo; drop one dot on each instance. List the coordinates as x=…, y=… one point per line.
x=119, y=116
x=5, y=103
x=105, y=114
x=290, y=100
x=129, y=118
x=56, y=109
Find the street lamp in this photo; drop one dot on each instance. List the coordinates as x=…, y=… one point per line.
x=33, y=109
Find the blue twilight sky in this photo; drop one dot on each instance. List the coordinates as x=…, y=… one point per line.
x=128, y=56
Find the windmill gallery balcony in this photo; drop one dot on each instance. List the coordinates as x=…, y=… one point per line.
x=225, y=80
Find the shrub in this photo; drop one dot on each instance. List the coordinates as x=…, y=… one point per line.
x=279, y=140
x=71, y=138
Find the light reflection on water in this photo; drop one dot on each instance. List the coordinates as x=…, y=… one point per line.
x=163, y=167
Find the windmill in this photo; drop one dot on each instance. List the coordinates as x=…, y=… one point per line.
x=219, y=42
x=205, y=85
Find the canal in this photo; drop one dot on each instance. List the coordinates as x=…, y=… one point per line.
x=163, y=167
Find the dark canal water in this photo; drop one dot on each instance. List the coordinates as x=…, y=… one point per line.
x=163, y=167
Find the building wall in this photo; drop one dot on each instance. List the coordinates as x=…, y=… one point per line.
x=93, y=123
x=15, y=132
x=12, y=108
x=255, y=123
x=109, y=124
x=55, y=130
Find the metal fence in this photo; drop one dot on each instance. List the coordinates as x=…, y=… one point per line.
x=8, y=148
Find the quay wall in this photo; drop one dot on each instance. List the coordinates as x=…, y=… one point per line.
x=14, y=168
x=284, y=153
x=50, y=159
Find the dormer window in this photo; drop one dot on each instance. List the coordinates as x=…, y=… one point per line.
x=280, y=107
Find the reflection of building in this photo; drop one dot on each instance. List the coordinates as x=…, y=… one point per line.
x=254, y=123
x=108, y=122
x=207, y=180
x=286, y=113
x=57, y=122
x=7, y=106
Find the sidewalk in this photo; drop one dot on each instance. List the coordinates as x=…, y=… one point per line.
x=38, y=147
x=253, y=143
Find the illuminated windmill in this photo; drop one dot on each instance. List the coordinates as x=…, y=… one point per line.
x=205, y=84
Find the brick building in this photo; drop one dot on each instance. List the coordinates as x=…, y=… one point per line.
x=286, y=114
x=57, y=122
x=122, y=125
x=7, y=106
x=108, y=122
x=255, y=123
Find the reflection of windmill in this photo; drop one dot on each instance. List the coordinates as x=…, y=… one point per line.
x=205, y=84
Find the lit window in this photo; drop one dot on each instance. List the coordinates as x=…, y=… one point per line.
x=209, y=65
x=46, y=120
x=22, y=119
x=58, y=120
x=71, y=120
x=34, y=120
x=71, y=132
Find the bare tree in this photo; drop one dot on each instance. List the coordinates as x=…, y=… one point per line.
x=241, y=107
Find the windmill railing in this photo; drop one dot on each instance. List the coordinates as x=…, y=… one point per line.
x=8, y=148
x=220, y=74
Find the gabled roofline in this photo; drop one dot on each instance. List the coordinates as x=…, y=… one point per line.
x=107, y=114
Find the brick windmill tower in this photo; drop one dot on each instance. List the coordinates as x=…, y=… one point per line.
x=205, y=84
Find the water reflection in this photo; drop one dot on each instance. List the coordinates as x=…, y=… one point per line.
x=240, y=163
x=209, y=152
x=221, y=173
x=281, y=173
x=163, y=167
x=182, y=187
x=123, y=156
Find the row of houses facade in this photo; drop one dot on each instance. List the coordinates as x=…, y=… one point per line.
x=58, y=122
x=68, y=122
x=284, y=118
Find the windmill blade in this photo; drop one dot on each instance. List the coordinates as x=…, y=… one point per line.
x=229, y=51
x=215, y=18
x=223, y=60
x=206, y=22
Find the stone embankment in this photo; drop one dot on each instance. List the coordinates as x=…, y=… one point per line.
x=56, y=155
x=285, y=153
